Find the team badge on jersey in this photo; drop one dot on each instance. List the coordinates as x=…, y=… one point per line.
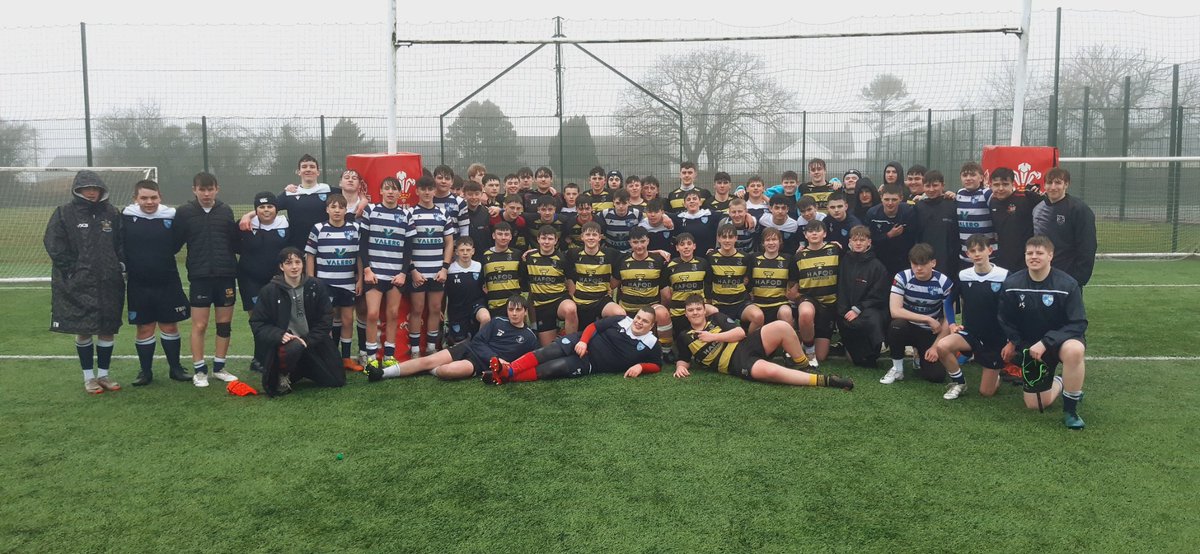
x=281, y=232
x=322, y=196
x=995, y=287
x=1048, y=299
x=167, y=223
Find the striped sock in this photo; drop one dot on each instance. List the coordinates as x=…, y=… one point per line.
x=171, y=345
x=145, y=352
x=218, y=365
x=957, y=377
x=86, y=363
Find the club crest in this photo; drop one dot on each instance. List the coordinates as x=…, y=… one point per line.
x=281, y=232
x=995, y=287
x=167, y=223
x=1048, y=299
x=323, y=196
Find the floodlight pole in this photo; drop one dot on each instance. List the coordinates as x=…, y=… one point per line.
x=1022, y=76
x=392, y=88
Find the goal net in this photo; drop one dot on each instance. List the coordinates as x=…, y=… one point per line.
x=28, y=196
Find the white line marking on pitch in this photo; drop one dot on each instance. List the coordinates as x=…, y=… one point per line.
x=1138, y=286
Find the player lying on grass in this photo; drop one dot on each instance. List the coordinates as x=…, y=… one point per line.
x=1042, y=314
x=504, y=338
x=618, y=344
x=716, y=342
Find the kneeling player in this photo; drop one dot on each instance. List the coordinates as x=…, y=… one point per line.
x=922, y=306
x=612, y=345
x=980, y=333
x=292, y=324
x=504, y=338
x=862, y=299
x=716, y=342
x=1041, y=312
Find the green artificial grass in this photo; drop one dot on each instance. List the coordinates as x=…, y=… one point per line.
x=706, y=464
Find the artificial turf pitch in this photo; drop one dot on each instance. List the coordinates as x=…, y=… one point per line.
x=710, y=463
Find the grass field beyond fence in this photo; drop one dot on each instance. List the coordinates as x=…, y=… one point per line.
x=707, y=464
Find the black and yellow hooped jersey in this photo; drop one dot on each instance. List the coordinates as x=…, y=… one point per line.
x=722, y=206
x=769, y=279
x=641, y=281
x=819, y=194
x=727, y=278
x=503, y=276
x=592, y=275
x=816, y=272
x=600, y=202
x=707, y=355
x=685, y=279
x=547, y=278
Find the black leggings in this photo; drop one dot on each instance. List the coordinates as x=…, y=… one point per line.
x=903, y=333
x=558, y=360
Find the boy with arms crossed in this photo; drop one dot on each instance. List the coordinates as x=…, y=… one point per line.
x=207, y=227
x=155, y=291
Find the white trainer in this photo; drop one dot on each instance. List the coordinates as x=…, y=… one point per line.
x=225, y=376
x=200, y=379
x=955, y=390
x=812, y=361
x=892, y=376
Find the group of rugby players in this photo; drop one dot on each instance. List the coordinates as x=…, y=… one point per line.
x=536, y=282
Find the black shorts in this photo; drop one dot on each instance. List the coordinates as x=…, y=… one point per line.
x=545, y=318
x=460, y=326
x=248, y=288
x=822, y=319
x=1037, y=376
x=385, y=286
x=680, y=322
x=213, y=291
x=157, y=302
x=590, y=313
x=745, y=353
x=986, y=353
x=341, y=298
x=430, y=285
x=462, y=351
x=772, y=314
x=733, y=311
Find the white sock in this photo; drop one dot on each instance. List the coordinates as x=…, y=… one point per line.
x=390, y=371
x=101, y=373
x=898, y=365
x=88, y=375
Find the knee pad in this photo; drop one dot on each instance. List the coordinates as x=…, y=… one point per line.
x=224, y=330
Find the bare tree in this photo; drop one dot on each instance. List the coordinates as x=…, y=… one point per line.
x=889, y=105
x=727, y=100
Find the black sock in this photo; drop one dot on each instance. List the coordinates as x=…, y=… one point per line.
x=346, y=347
x=336, y=333
x=170, y=343
x=85, y=352
x=145, y=352
x=104, y=350
x=362, y=336
x=218, y=365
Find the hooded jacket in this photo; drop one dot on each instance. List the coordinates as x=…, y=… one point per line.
x=899, y=176
x=856, y=207
x=85, y=244
x=270, y=320
x=863, y=283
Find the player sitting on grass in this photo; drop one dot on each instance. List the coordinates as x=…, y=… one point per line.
x=862, y=299
x=980, y=334
x=505, y=338
x=383, y=231
x=333, y=258
x=717, y=343
x=292, y=324
x=921, y=304
x=618, y=344
x=466, y=306
x=155, y=291
x=430, y=244
x=1042, y=314
x=87, y=291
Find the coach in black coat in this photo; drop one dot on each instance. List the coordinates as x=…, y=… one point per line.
x=83, y=239
x=312, y=354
